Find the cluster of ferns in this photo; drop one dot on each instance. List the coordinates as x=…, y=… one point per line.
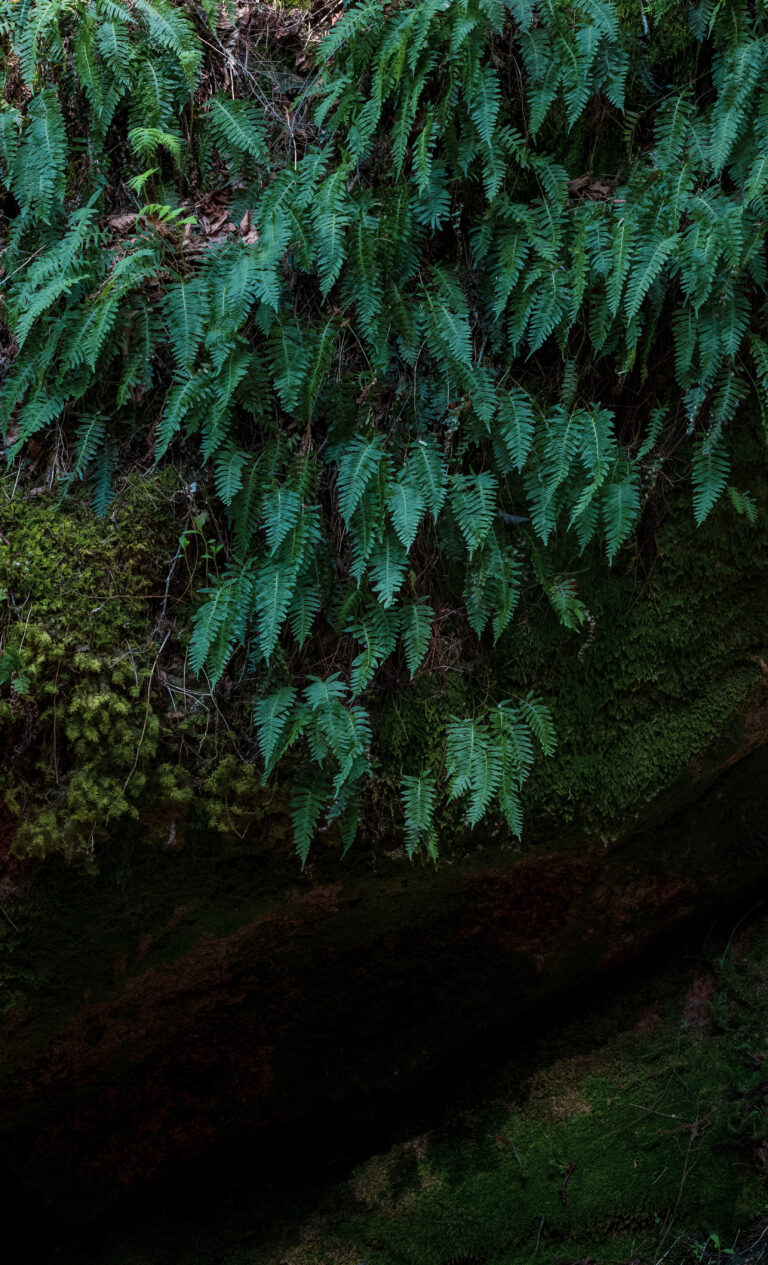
x=396, y=368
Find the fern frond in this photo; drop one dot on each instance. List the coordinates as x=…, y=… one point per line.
x=416, y=630
x=228, y=472
x=308, y=802
x=473, y=502
x=386, y=567
x=744, y=503
x=38, y=175
x=280, y=508
x=711, y=467
x=430, y=474
x=237, y=128
x=539, y=720
x=184, y=308
x=358, y=465
x=272, y=713
x=621, y=509
x=516, y=420
x=419, y=798
x=406, y=506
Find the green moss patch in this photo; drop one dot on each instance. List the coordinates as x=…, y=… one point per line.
x=642, y=1145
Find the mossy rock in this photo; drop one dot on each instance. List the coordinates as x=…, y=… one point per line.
x=618, y=1131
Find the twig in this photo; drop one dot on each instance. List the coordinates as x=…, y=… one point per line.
x=144, y=726
x=564, y=1188
x=9, y=918
x=538, y=1237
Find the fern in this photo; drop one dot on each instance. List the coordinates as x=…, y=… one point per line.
x=473, y=502
x=38, y=173
x=272, y=714
x=228, y=473
x=416, y=626
x=744, y=504
x=406, y=506
x=386, y=568
x=308, y=802
x=517, y=425
x=237, y=129
x=419, y=796
x=376, y=630
x=430, y=474
x=274, y=590
x=184, y=309
x=210, y=618
x=383, y=323
x=359, y=464
x=281, y=508
x=621, y=508
x=711, y=467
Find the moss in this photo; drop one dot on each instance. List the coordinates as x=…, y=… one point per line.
x=112, y=727
x=670, y=56
x=662, y=671
x=78, y=600
x=597, y=1140
x=641, y=1155
x=668, y=662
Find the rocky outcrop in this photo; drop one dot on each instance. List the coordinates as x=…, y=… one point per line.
x=184, y=998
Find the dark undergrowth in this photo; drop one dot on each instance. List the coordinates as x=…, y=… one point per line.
x=627, y=1126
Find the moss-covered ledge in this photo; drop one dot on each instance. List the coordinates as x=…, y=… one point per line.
x=183, y=999
x=170, y=978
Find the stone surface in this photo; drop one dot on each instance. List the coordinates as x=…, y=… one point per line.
x=184, y=999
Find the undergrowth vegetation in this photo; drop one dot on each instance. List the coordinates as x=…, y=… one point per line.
x=448, y=308
x=631, y=1146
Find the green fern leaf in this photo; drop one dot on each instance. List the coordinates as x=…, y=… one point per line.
x=274, y=590
x=208, y=622
x=272, y=713
x=485, y=104
x=40, y=168
x=280, y=508
x=305, y=607
x=406, y=506
x=185, y=307
x=386, y=568
x=473, y=501
x=711, y=467
x=416, y=628
x=539, y=719
x=237, y=128
x=307, y=805
x=430, y=474
x=358, y=466
x=621, y=509
x=419, y=798
x=516, y=425
x=648, y=268
x=228, y=472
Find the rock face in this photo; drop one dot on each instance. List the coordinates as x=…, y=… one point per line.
x=184, y=998
x=199, y=989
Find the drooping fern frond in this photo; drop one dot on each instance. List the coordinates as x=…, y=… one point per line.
x=711, y=468
x=416, y=630
x=384, y=320
x=237, y=129
x=419, y=796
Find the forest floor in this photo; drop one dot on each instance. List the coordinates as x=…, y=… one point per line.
x=626, y=1126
